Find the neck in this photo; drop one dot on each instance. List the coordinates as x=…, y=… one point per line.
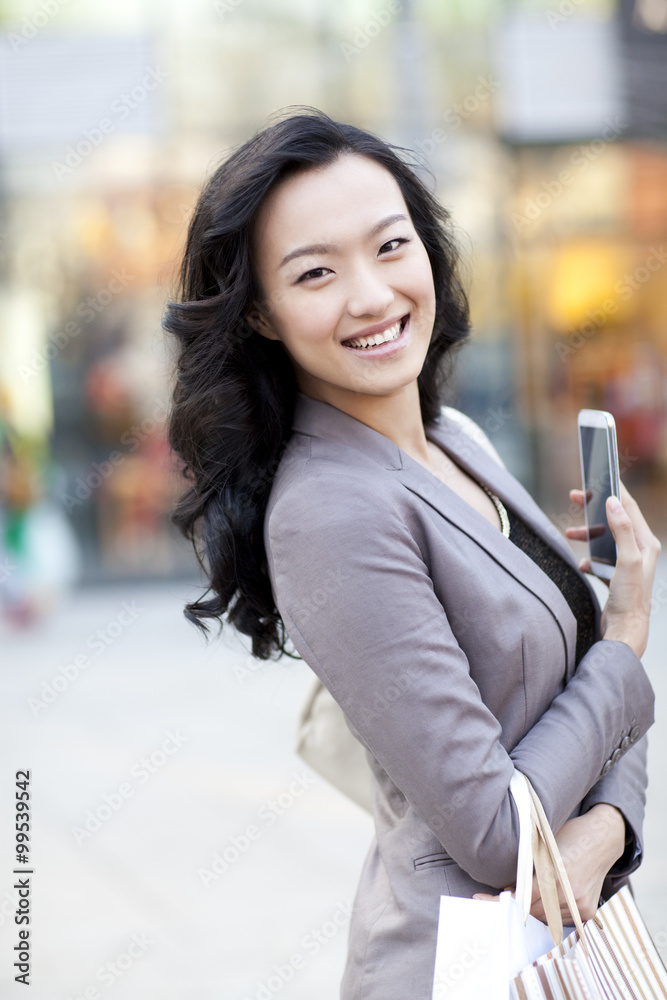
x=397, y=415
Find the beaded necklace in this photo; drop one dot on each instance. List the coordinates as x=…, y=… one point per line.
x=502, y=511
x=496, y=501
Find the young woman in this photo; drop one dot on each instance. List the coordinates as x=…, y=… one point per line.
x=332, y=500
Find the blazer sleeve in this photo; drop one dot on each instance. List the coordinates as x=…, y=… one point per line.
x=625, y=787
x=358, y=603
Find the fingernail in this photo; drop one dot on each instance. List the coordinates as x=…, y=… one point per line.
x=614, y=505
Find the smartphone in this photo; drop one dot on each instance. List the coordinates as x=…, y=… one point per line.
x=600, y=476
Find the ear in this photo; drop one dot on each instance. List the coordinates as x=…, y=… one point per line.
x=260, y=323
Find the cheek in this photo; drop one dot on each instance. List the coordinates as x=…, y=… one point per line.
x=307, y=325
x=427, y=278
x=420, y=277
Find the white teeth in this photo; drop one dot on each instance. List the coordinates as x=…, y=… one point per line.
x=392, y=333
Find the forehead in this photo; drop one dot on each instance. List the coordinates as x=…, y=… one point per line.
x=327, y=204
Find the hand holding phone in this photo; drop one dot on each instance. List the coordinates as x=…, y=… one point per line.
x=600, y=476
x=630, y=566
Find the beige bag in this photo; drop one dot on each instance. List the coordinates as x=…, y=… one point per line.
x=324, y=740
x=326, y=743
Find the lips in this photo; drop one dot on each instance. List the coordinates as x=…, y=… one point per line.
x=398, y=330
x=376, y=336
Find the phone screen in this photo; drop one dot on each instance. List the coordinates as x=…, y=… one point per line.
x=597, y=487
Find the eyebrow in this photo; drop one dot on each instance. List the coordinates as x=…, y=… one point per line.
x=316, y=248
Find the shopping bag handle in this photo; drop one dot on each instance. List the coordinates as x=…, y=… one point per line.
x=524, y=861
x=532, y=851
x=538, y=847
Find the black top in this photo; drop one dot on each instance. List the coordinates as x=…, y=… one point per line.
x=578, y=596
x=565, y=577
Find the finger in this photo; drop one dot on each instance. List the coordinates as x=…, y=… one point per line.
x=585, y=567
x=621, y=527
x=644, y=535
x=485, y=895
x=577, y=496
x=582, y=534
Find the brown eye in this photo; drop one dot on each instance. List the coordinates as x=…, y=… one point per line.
x=393, y=245
x=316, y=272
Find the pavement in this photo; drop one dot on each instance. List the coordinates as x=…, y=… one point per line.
x=179, y=847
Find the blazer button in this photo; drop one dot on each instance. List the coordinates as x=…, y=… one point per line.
x=606, y=769
x=626, y=743
x=634, y=733
x=616, y=756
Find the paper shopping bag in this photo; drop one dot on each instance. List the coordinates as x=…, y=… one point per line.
x=481, y=945
x=620, y=963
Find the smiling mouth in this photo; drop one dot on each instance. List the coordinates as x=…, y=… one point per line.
x=368, y=343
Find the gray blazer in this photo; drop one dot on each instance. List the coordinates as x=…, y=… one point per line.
x=452, y=656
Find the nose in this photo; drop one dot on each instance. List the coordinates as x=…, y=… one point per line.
x=369, y=293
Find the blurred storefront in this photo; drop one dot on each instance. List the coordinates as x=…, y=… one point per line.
x=111, y=379
x=547, y=142
x=92, y=228
x=587, y=222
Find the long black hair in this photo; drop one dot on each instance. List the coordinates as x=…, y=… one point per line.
x=234, y=392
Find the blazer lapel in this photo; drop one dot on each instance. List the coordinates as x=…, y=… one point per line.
x=318, y=419
x=479, y=464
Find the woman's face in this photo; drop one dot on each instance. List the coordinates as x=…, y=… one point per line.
x=337, y=259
